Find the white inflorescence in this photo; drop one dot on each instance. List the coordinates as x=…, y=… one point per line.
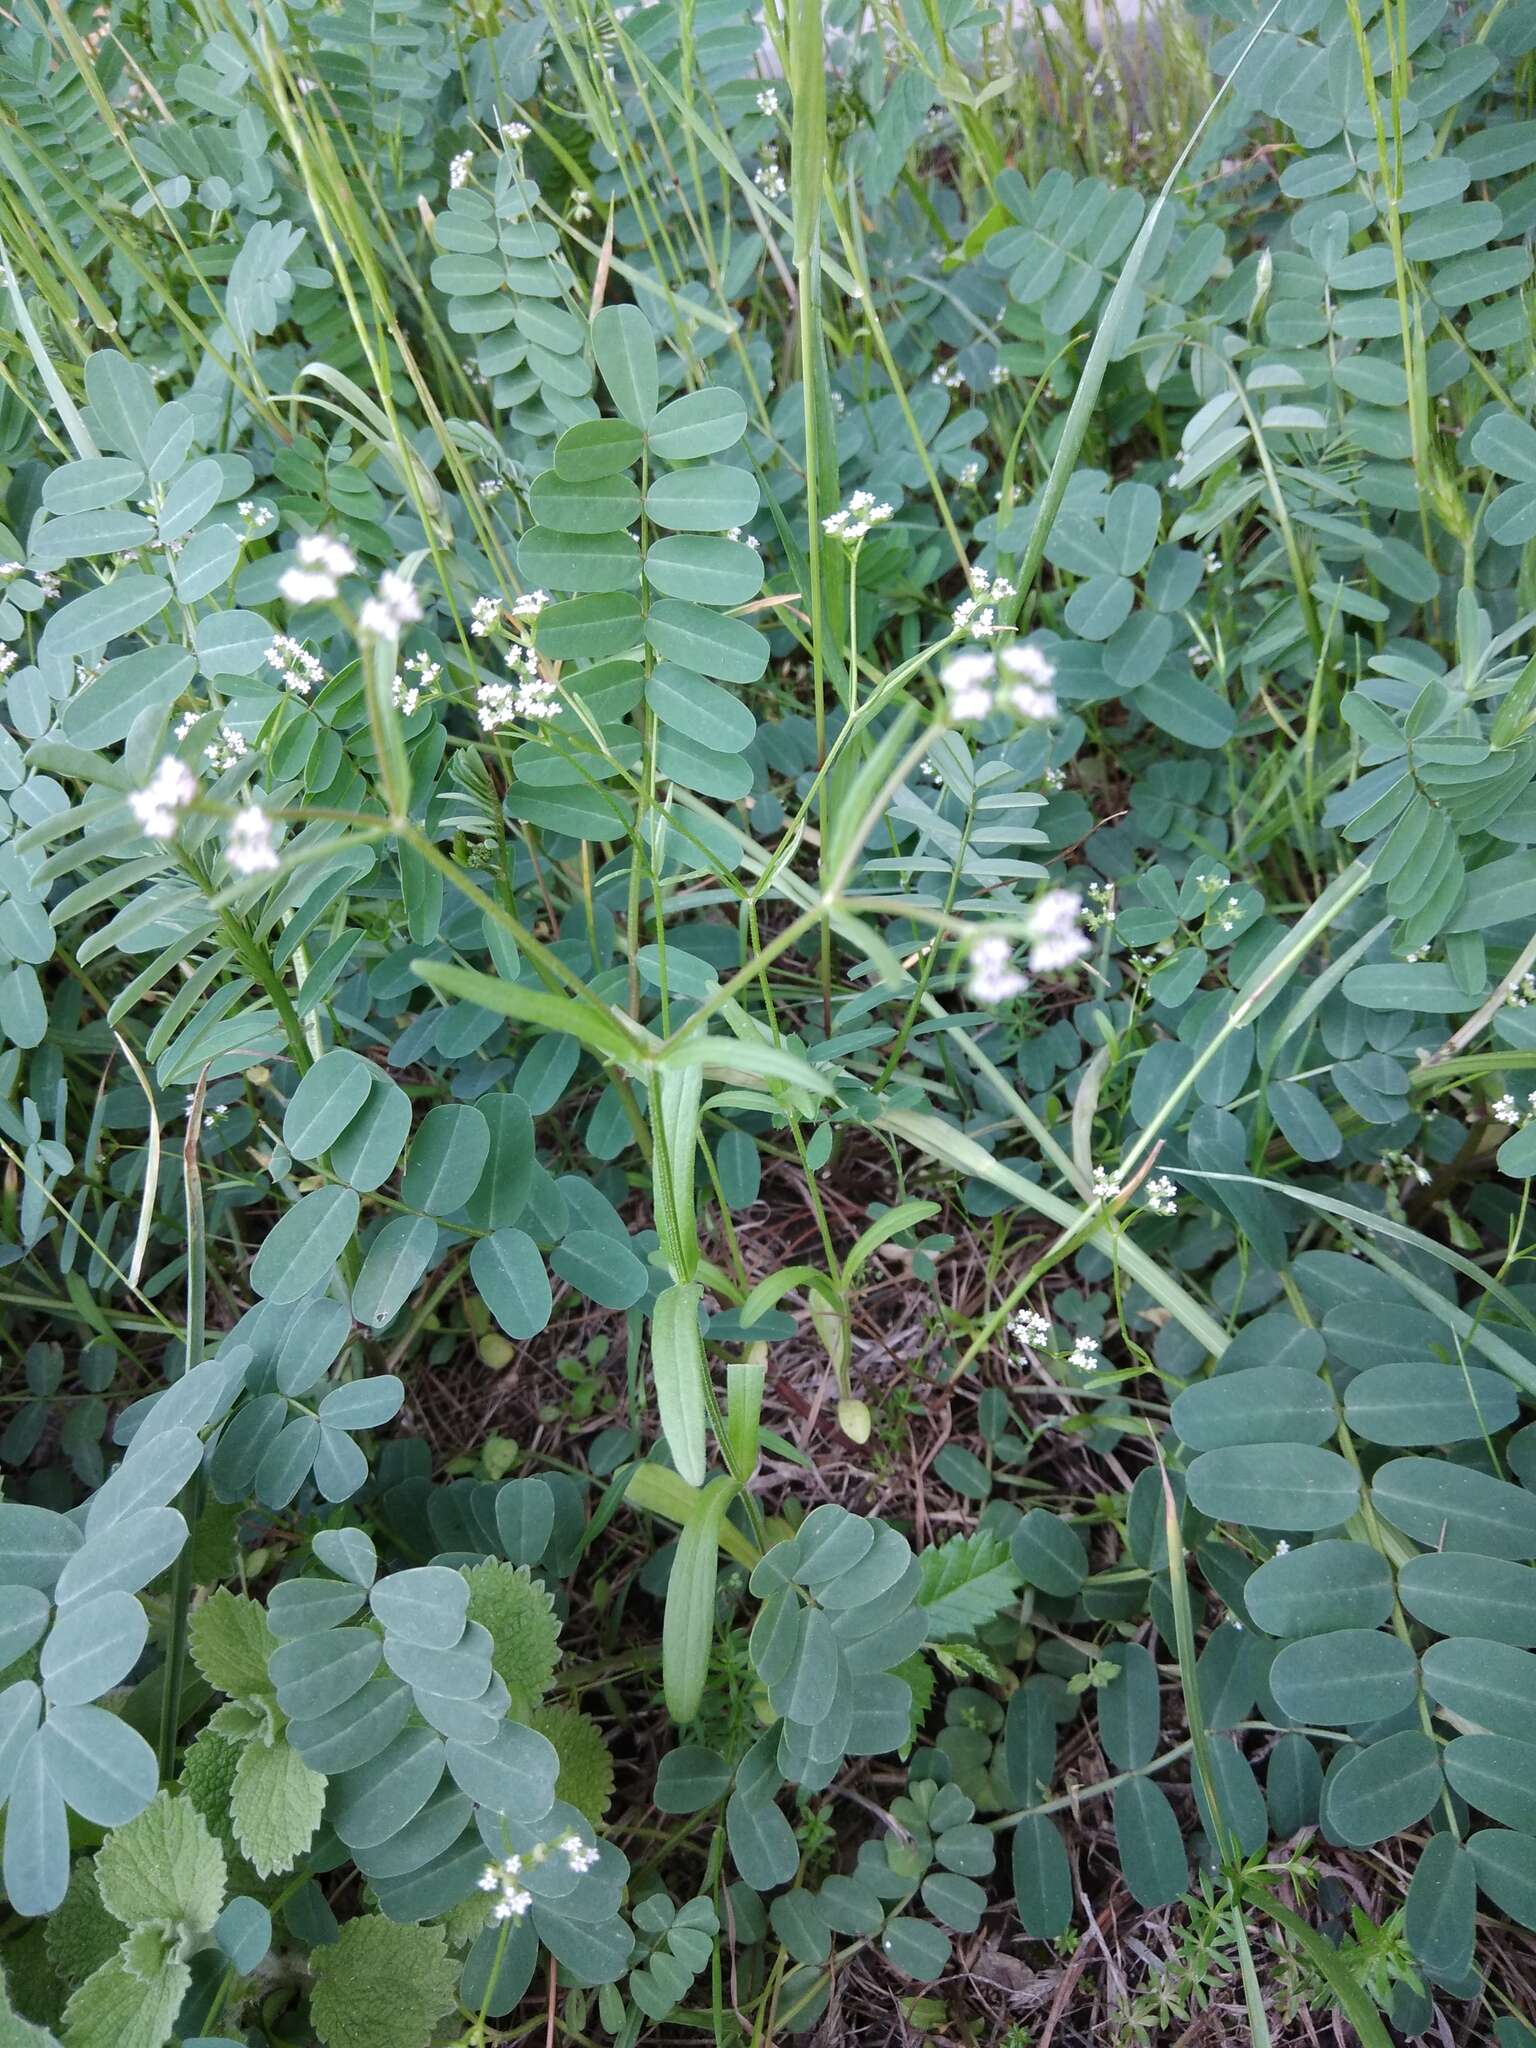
x=530, y=604
x=768, y=101
x=852, y=521
x=484, y=616
x=1031, y=1328
x=1085, y=1354
x=1106, y=1185
x=1163, y=1196
x=393, y=607
x=299, y=669
x=250, y=849
x=505, y=1879
x=1028, y=685
x=459, y=169
x=533, y=695
x=993, y=976
x=322, y=562
x=1056, y=939
x=407, y=695
x=224, y=749
x=968, y=681
x=171, y=788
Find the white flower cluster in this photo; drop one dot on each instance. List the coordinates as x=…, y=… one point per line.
x=393, y=607
x=515, y=131
x=9, y=571
x=993, y=976
x=1029, y=1329
x=970, y=473
x=746, y=539
x=768, y=101
x=1523, y=994
x=1084, y=1354
x=459, y=169
x=406, y=696
x=852, y=521
x=948, y=377
x=484, y=616
x=1507, y=1111
x=298, y=668
x=977, y=614
x=225, y=748
x=322, y=562
x=1106, y=1185
x=255, y=516
x=505, y=1879
x=978, y=682
x=1056, y=937
x=250, y=849
x=530, y=604
x=769, y=177
x=1163, y=1196
x=167, y=793
x=581, y=206
x=533, y=695
x=7, y=660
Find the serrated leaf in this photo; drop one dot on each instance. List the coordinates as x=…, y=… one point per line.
x=275, y=1806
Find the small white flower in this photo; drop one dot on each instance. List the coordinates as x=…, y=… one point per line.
x=530, y=604
x=1163, y=1196
x=1523, y=994
x=1029, y=692
x=1506, y=1111
x=299, y=669
x=1106, y=1185
x=393, y=607
x=459, y=169
x=579, y=1854
x=224, y=749
x=768, y=177
x=9, y=571
x=993, y=977
x=768, y=101
x=171, y=788
x=581, y=206
x=484, y=616
x=1085, y=1354
x=1057, y=940
x=1282, y=1548
x=7, y=660
x=968, y=679
x=515, y=131
x=512, y=1904
x=249, y=848
x=1001, y=374
x=1031, y=1328
x=322, y=562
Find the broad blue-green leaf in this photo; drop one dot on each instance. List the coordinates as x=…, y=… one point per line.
x=93, y=1646
x=1383, y=1788
x=298, y=1253
x=625, y=352
x=1152, y=1853
x=710, y=499
x=326, y=1100
x=1274, y=1486
x=396, y=1260
x=510, y=1275
x=601, y=1267
x=1319, y=1587
x=427, y=1604
x=699, y=423
x=107, y=1768
x=1454, y=1508
x=1344, y=1678
x=448, y=1154
x=1042, y=1878
x=36, y=1835
x=105, y=613
x=514, y=1775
